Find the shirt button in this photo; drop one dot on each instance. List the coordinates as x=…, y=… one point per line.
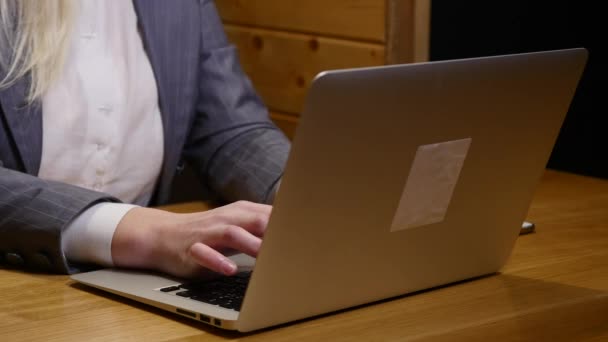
x=97, y=186
x=100, y=172
x=100, y=146
x=105, y=109
x=88, y=36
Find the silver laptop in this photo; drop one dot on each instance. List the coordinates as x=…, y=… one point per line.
x=401, y=178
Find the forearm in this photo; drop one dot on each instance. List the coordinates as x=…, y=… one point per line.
x=233, y=145
x=33, y=215
x=249, y=166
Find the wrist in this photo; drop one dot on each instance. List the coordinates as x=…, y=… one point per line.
x=136, y=238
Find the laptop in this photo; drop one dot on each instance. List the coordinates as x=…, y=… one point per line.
x=400, y=178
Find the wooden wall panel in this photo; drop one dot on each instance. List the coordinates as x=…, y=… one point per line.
x=354, y=19
x=282, y=64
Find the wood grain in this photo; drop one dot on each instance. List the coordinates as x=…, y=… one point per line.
x=352, y=19
x=554, y=288
x=282, y=65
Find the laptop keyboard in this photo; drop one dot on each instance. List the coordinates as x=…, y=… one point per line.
x=227, y=292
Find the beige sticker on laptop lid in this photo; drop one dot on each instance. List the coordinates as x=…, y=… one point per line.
x=430, y=184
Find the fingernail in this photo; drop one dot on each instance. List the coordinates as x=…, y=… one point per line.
x=228, y=267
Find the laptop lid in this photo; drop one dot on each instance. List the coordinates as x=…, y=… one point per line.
x=406, y=177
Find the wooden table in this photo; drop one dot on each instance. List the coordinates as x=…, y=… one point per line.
x=554, y=288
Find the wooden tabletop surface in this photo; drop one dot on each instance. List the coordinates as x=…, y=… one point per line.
x=554, y=288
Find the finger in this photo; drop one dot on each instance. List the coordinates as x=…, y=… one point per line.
x=255, y=207
x=211, y=259
x=235, y=238
x=254, y=223
x=253, y=217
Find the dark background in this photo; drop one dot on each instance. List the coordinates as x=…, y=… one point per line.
x=461, y=29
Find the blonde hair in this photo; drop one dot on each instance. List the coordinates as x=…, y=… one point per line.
x=33, y=40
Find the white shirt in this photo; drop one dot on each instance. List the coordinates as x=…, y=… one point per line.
x=102, y=127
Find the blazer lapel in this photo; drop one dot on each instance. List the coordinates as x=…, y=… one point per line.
x=170, y=35
x=25, y=124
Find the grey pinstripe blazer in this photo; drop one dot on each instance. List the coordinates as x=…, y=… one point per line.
x=212, y=119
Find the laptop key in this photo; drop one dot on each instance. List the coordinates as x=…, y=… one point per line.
x=170, y=288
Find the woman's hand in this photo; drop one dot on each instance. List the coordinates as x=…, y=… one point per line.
x=189, y=245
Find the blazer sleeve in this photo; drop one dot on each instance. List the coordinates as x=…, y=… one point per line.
x=233, y=145
x=33, y=214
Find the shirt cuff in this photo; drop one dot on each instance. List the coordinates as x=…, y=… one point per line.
x=88, y=239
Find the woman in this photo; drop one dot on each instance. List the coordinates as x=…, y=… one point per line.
x=100, y=102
